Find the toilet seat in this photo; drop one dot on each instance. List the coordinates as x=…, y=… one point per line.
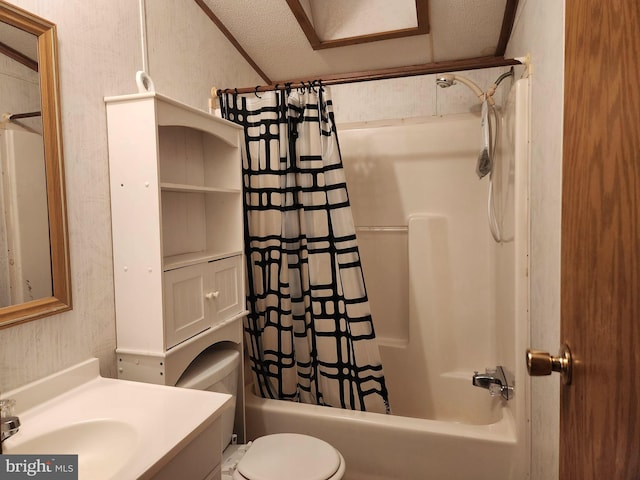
x=290, y=456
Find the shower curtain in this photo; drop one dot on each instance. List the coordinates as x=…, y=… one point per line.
x=309, y=332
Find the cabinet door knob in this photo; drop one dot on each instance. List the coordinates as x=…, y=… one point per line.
x=212, y=295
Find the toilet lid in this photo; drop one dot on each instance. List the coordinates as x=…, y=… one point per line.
x=289, y=456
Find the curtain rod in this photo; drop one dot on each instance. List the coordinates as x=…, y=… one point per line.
x=381, y=74
x=16, y=116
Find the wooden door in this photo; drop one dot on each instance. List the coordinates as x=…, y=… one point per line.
x=600, y=411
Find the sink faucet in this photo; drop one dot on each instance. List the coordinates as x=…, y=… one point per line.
x=496, y=381
x=9, y=423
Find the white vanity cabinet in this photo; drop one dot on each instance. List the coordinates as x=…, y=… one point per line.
x=176, y=208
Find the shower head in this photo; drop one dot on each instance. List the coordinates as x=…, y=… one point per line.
x=447, y=79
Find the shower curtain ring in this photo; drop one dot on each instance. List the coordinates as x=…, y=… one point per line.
x=256, y=91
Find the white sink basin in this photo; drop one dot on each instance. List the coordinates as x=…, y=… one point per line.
x=103, y=447
x=118, y=429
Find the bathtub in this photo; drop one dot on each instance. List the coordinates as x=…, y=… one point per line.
x=384, y=447
x=458, y=302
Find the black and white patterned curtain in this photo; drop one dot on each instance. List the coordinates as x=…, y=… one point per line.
x=309, y=332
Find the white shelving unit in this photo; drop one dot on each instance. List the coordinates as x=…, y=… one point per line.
x=176, y=208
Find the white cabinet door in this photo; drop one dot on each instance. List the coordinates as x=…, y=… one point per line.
x=226, y=294
x=201, y=296
x=186, y=306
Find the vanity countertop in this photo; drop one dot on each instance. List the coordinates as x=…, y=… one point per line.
x=133, y=428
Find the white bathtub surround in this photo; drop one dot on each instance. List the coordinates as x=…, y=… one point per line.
x=309, y=333
x=25, y=273
x=446, y=300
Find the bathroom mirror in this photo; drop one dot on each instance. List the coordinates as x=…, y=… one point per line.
x=20, y=34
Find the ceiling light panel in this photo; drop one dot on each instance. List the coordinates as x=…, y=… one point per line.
x=336, y=19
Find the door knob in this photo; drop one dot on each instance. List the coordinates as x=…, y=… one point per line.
x=541, y=363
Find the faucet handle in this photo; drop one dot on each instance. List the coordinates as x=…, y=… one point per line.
x=6, y=407
x=495, y=389
x=9, y=423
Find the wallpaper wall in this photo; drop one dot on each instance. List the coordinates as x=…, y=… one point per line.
x=100, y=52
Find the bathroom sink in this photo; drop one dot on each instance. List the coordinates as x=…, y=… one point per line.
x=103, y=447
x=118, y=428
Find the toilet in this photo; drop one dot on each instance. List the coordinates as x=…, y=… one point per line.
x=281, y=456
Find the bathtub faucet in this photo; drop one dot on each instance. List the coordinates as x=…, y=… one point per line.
x=497, y=381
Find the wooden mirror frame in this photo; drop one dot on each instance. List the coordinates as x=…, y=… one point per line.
x=60, y=300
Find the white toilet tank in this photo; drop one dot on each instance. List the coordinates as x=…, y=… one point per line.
x=215, y=370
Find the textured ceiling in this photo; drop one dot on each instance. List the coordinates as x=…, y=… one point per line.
x=269, y=33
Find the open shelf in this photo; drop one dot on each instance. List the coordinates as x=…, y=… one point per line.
x=177, y=187
x=187, y=259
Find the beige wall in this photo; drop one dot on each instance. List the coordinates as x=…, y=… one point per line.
x=539, y=30
x=99, y=50
x=19, y=91
x=410, y=97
